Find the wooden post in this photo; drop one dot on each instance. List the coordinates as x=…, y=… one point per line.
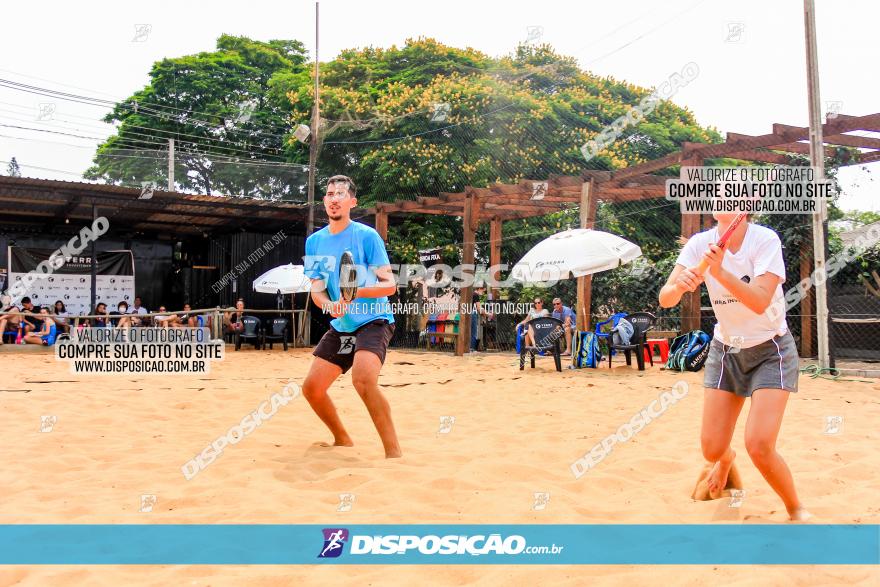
x=495, y=235
x=382, y=222
x=806, y=306
x=585, y=284
x=470, y=220
x=708, y=220
x=690, y=302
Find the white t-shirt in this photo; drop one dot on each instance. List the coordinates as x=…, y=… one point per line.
x=138, y=310
x=533, y=313
x=760, y=253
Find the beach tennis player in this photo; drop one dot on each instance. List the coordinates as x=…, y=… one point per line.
x=752, y=355
x=362, y=328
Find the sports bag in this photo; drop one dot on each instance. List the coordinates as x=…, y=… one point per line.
x=586, y=351
x=688, y=352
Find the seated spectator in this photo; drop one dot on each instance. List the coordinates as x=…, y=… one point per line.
x=10, y=319
x=61, y=317
x=185, y=319
x=537, y=311
x=232, y=319
x=136, y=310
x=46, y=334
x=124, y=320
x=164, y=320
x=103, y=317
x=33, y=322
x=565, y=315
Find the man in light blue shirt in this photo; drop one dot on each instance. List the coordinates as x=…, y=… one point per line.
x=361, y=330
x=565, y=315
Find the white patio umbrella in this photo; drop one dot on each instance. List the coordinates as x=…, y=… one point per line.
x=574, y=253
x=286, y=279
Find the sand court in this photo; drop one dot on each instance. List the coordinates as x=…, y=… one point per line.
x=483, y=443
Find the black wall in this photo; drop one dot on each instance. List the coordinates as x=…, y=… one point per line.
x=152, y=259
x=170, y=274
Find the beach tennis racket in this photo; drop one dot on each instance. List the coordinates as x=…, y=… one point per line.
x=704, y=264
x=348, y=277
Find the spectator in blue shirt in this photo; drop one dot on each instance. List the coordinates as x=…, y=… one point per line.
x=565, y=315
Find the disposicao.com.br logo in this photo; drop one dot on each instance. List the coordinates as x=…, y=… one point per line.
x=453, y=544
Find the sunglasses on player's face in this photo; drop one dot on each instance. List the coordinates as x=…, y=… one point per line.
x=538, y=303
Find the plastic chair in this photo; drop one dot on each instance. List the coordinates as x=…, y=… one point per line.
x=613, y=320
x=642, y=322
x=252, y=331
x=277, y=331
x=660, y=345
x=548, y=334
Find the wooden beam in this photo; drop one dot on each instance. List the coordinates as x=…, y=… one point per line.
x=644, y=168
x=802, y=148
x=463, y=341
x=853, y=141
x=612, y=193
x=806, y=304
x=475, y=204
x=495, y=236
x=547, y=208
x=382, y=223
x=869, y=157
x=585, y=284
x=760, y=156
x=639, y=181
x=690, y=301
x=868, y=122
x=783, y=145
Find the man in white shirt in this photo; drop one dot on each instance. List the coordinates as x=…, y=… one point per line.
x=137, y=308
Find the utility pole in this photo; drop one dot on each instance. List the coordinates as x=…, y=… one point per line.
x=170, y=165
x=313, y=145
x=93, y=269
x=817, y=161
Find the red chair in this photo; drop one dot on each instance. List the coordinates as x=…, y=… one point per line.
x=661, y=345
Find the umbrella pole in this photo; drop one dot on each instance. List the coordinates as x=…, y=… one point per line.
x=293, y=328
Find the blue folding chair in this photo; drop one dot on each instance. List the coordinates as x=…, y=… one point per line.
x=606, y=336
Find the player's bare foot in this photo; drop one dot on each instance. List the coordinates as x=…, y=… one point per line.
x=717, y=478
x=800, y=514
x=340, y=442
x=395, y=453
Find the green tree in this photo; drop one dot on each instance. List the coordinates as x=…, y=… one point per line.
x=13, y=169
x=226, y=115
x=521, y=116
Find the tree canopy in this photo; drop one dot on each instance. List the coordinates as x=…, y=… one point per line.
x=228, y=119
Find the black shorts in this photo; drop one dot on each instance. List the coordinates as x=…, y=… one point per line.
x=339, y=347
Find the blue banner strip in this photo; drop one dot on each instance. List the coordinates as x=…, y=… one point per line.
x=189, y=544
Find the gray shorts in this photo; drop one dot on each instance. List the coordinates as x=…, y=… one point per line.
x=773, y=364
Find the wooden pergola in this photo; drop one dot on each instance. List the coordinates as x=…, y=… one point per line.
x=500, y=202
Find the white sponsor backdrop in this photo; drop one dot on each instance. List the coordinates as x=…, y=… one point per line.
x=75, y=291
x=71, y=282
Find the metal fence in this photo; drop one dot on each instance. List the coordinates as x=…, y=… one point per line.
x=655, y=225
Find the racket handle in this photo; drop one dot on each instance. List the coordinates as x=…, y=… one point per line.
x=700, y=267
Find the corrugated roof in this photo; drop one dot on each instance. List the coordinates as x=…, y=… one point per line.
x=26, y=201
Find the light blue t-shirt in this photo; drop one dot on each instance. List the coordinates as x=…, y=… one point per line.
x=323, y=251
x=565, y=313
